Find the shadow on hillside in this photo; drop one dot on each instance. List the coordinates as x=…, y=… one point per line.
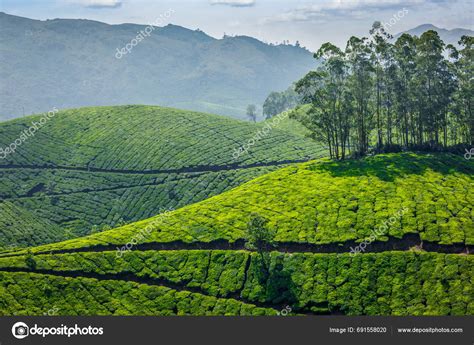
x=279, y=288
x=388, y=167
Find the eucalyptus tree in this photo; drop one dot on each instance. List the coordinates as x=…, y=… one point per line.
x=324, y=89
x=404, y=55
x=360, y=81
x=261, y=238
x=340, y=99
x=278, y=102
x=252, y=112
x=383, y=62
x=376, y=92
x=462, y=107
x=431, y=74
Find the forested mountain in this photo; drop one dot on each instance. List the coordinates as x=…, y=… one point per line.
x=75, y=61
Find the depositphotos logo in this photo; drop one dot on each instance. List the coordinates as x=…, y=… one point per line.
x=21, y=330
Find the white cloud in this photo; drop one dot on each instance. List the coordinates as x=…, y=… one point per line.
x=355, y=8
x=100, y=3
x=234, y=3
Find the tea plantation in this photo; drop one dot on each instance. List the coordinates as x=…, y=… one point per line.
x=193, y=260
x=90, y=169
x=229, y=282
x=324, y=202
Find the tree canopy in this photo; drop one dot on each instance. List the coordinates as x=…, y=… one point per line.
x=415, y=93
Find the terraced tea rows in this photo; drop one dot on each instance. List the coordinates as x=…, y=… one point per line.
x=81, y=202
x=141, y=138
x=95, y=168
x=23, y=295
x=193, y=261
x=20, y=227
x=392, y=283
x=323, y=203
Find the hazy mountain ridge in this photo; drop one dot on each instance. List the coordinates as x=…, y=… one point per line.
x=448, y=36
x=68, y=63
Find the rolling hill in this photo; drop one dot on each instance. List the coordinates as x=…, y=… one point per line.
x=194, y=262
x=97, y=167
x=75, y=61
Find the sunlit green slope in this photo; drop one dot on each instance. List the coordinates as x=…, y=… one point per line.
x=92, y=168
x=323, y=202
x=192, y=261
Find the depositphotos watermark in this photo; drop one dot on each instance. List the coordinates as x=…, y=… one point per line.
x=469, y=153
x=285, y=311
x=378, y=231
x=143, y=234
x=395, y=19
x=21, y=330
x=27, y=133
x=260, y=134
x=143, y=34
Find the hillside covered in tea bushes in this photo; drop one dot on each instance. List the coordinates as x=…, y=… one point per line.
x=325, y=202
x=194, y=261
x=90, y=169
x=221, y=282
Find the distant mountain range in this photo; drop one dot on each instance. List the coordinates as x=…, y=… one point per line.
x=448, y=36
x=66, y=63
x=69, y=63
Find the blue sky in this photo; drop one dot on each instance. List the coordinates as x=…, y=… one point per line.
x=310, y=22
